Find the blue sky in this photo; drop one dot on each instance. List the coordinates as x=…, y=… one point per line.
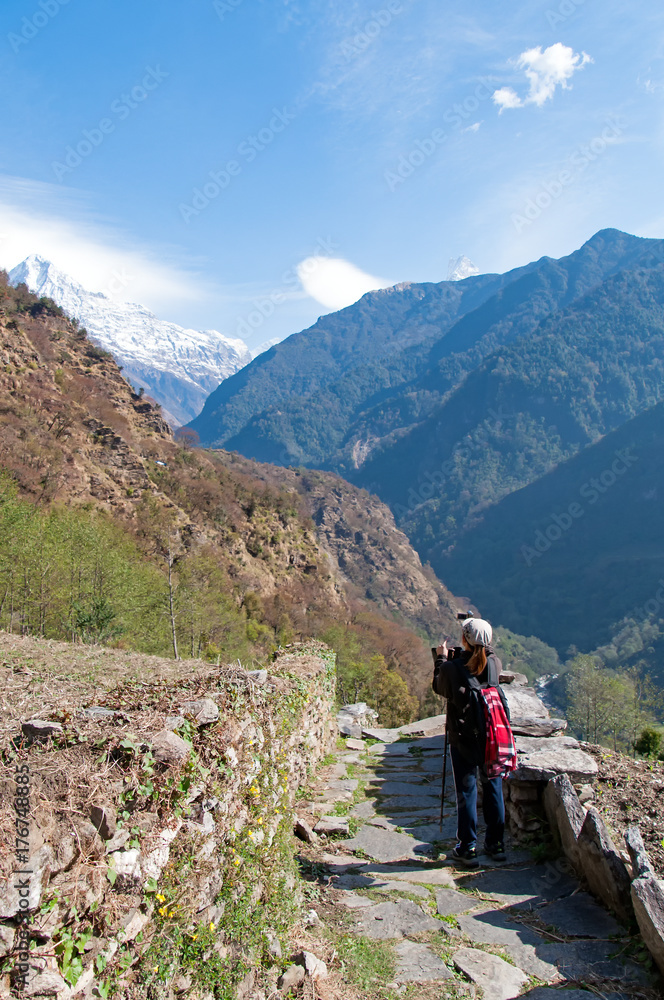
x=380, y=139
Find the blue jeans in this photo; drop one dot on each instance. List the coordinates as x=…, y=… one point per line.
x=493, y=806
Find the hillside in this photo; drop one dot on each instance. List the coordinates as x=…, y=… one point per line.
x=172, y=547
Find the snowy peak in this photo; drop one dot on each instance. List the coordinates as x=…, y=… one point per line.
x=177, y=366
x=460, y=268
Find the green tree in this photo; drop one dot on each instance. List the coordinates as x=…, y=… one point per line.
x=649, y=742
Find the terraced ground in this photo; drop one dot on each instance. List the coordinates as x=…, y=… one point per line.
x=401, y=921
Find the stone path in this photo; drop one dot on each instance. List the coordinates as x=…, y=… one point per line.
x=516, y=929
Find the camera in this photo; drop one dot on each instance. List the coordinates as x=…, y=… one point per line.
x=462, y=615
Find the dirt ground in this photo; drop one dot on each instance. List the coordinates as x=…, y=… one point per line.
x=631, y=793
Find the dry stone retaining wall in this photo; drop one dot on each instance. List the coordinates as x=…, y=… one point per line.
x=168, y=855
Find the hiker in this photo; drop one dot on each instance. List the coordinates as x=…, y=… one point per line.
x=459, y=674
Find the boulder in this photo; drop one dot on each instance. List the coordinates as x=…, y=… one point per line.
x=292, y=977
x=537, y=726
x=546, y=764
x=638, y=854
x=302, y=830
x=332, y=826
x=258, y=677
x=356, y=744
x=40, y=729
x=648, y=900
x=525, y=703
x=95, y=713
x=314, y=967
x=352, y=719
x=204, y=710
x=602, y=866
x=169, y=748
x=565, y=814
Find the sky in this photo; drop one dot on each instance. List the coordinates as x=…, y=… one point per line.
x=248, y=165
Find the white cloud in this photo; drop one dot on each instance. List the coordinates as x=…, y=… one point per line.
x=335, y=282
x=545, y=70
x=41, y=218
x=475, y=127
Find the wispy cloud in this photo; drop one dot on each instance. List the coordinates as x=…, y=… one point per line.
x=545, y=70
x=61, y=225
x=335, y=282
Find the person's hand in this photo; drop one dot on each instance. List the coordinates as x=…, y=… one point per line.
x=442, y=649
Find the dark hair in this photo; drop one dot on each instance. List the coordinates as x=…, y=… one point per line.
x=477, y=663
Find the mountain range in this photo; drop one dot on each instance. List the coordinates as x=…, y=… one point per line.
x=176, y=366
x=448, y=399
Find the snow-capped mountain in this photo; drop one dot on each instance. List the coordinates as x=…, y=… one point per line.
x=177, y=367
x=461, y=267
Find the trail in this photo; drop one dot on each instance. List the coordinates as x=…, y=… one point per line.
x=511, y=929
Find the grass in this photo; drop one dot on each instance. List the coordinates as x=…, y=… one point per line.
x=366, y=963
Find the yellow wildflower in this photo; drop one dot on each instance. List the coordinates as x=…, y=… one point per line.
x=259, y=820
x=162, y=899
x=237, y=861
x=194, y=936
x=211, y=925
x=162, y=911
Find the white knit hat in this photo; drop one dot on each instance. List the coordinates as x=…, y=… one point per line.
x=477, y=631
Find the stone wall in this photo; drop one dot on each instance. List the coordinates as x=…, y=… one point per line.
x=552, y=787
x=160, y=835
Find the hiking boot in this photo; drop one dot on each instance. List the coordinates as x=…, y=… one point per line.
x=466, y=856
x=495, y=851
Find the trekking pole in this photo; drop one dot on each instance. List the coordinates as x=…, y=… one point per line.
x=442, y=793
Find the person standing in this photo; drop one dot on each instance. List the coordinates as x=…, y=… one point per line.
x=453, y=673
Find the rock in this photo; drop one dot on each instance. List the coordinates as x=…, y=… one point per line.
x=381, y=845
x=547, y=993
x=258, y=677
x=302, y=830
x=292, y=977
x=648, y=901
x=417, y=964
x=586, y=794
x=204, y=710
x=40, y=729
x=394, y=920
x=6, y=940
x=133, y=924
x=363, y=810
x=546, y=764
x=245, y=989
x=433, y=726
x=104, y=819
x=169, y=748
x=127, y=867
x=332, y=826
x=173, y=722
x=356, y=744
x=39, y=865
x=351, y=719
x=44, y=983
x=432, y=875
x=384, y=735
x=565, y=813
x=348, y=785
x=512, y=677
x=96, y=713
x=602, y=866
x=528, y=726
x=524, y=703
x=638, y=854
x=314, y=967
x=450, y=903
x=353, y=901
x=533, y=744
x=182, y=983
x=410, y=789
x=496, y=978
x=117, y=842
x=312, y=919
x=274, y=946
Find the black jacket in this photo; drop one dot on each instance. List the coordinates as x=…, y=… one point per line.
x=451, y=676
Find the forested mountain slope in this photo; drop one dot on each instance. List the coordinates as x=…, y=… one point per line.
x=577, y=551
x=332, y=396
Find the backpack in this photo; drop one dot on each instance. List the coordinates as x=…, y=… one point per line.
x=484, y=730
